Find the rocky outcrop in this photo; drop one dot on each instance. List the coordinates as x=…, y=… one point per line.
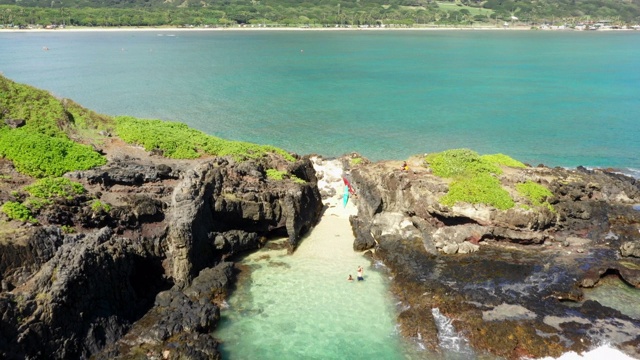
x=20, y=258
x=630, y=248
x=140, y=261
x=471, y=260
x=126, y=171
x=189, y=315
x=84, y=297
x=219, y=206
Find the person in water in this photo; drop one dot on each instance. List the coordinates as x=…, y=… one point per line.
x=350, y=278
x=360, y=273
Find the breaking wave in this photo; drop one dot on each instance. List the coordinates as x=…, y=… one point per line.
x=453, y=343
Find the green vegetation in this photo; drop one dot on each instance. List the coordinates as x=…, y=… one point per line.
x=43, y=113
x=86, y=119
x=275, y=174
x=457, y=7
x=327, y=13
x=537, y=194
x=297, y=180
x=99, y=206
x=40, y=148
x=41, y=155
x=480, y=189
x=355, y=161
x=35, y=204
x=43, y=147
x=503, y=160
x=49, y=188
x=41, y=192
x=474, y=177
x=17, y=211
x=459, y=162
x=177, y=140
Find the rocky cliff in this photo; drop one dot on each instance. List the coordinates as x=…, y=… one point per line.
x=511, y=280
x=151, y=268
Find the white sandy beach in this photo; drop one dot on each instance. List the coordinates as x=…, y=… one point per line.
x=334, y=227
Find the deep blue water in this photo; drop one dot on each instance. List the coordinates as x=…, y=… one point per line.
x=558, y=98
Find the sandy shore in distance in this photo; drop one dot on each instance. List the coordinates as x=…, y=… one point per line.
x=248, y=28
x=257, y=28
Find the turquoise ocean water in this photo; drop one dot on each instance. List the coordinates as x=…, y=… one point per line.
x=558, y=98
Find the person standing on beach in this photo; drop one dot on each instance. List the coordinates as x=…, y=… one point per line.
x=360, y=273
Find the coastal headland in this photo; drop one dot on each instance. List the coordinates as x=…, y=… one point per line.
x=133, y=256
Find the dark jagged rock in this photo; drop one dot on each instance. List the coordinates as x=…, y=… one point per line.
x=84, y=297
x=215, y=197
x=504, y=276
x=123, y=172
x=180, y=322
x=22, y=257
x=143, y=266
x=363, y=239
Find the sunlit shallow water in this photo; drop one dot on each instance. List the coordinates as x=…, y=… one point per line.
x=302, y=306
x=614, y=293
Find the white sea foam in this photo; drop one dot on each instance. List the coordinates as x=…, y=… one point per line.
x=449, y=339
x=604, y=352
x=632, y=172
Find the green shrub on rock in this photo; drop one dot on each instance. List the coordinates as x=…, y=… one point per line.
x=17, y=211
x=480, y=189
x=536, y=193
x=43, y=113
x=504, y=160
x=99, y=206
x=178, y=141
x=275, y=174
x=49, y=188
x=474, y=177
x=458, y=162
x=40, y=155
x=297, y=180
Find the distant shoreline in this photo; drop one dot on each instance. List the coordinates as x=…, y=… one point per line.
x=249, y=28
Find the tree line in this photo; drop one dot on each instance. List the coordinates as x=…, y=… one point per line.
x=220, y=13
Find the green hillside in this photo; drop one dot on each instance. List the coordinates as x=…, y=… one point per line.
x=44, y=136
x=316, y=13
